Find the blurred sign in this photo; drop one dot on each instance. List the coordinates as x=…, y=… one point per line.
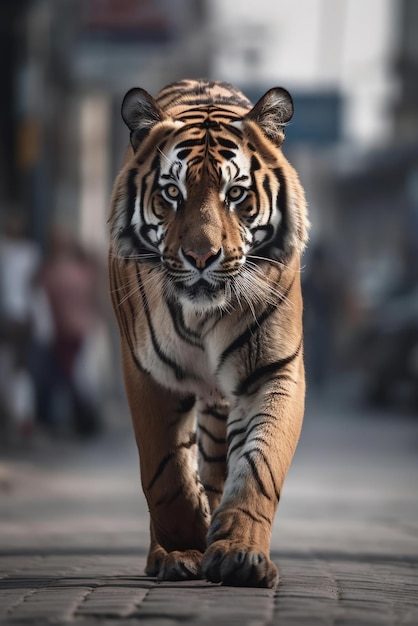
x=317, y=119
x=123, y=18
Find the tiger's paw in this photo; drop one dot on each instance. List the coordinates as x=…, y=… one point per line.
x=235, y=564
x=174, y=565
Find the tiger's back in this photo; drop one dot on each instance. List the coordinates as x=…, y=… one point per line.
x=207, y=226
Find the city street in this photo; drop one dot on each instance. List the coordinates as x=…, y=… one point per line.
x=157, y=158
x=74, y=532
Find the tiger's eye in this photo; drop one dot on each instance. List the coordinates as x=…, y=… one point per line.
x=172, y=192
x=236, y=193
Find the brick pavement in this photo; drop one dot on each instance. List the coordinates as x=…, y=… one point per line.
x=110, y=589
x=73, y=535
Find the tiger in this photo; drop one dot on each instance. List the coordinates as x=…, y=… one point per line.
x=207, y=227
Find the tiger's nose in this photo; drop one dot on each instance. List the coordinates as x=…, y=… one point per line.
x=201, y=259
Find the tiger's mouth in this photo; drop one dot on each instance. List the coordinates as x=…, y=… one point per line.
x=199, y=289
x=201, y=294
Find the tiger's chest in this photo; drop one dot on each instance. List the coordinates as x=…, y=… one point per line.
x=183, y=353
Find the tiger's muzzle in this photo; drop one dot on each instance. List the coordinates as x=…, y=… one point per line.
x=201, y=259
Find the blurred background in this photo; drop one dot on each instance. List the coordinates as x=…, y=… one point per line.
x=65, y=65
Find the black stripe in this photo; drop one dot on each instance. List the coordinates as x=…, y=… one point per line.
x=188, y=335
x=132, y=192
x=282, y=204
x=140, y=241
x=179, y=372
x=221, y=458
x=198, y=158
x=226, y=143
x=267, y=190
x=144, y=186
x=256, y=475
x=128, y=231
x=244, y=440
x=219, y=440
x=282, y=235
x=282, y=394
x=269, y=416
x=183, y=154
x=236, y=446
x=138, y=246
x=186, y=404
x=192, y=118
x=144, y=231
x=210, y=410
x=259, y=520
x=227, y=154
x=265, y=370
x=212, y=489
x=232, y=129
x=246, y=429
x=191, y=143
x=255, y=163
x=160, y=468
x=220, y=113
x=163, y=463
x=273, y=479
x=154, y=170
x=246, y=336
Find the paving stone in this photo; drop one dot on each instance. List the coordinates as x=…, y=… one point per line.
x=347, y=554
x=116, y=601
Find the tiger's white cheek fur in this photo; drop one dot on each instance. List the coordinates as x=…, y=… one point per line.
x=230, y=169
x=173, y=170
x=136, y=217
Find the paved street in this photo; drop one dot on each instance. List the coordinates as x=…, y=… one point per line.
x=74, y=532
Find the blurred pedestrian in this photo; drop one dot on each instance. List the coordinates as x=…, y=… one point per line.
x=67, y=384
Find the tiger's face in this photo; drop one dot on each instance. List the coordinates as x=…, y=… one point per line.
x=207, y=197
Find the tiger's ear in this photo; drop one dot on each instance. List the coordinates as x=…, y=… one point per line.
x=140, y=112
x=272, y=112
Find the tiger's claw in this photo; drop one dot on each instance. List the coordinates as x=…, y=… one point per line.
x=238, y=566
x=180, y=566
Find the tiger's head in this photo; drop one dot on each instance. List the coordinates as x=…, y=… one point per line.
x=205, y=194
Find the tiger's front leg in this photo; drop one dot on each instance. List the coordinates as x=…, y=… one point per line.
x=164, y=425
x=263, y=432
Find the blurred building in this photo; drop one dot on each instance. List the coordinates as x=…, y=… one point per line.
x=377, y=190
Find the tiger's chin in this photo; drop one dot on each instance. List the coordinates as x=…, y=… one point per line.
x=202, y=296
